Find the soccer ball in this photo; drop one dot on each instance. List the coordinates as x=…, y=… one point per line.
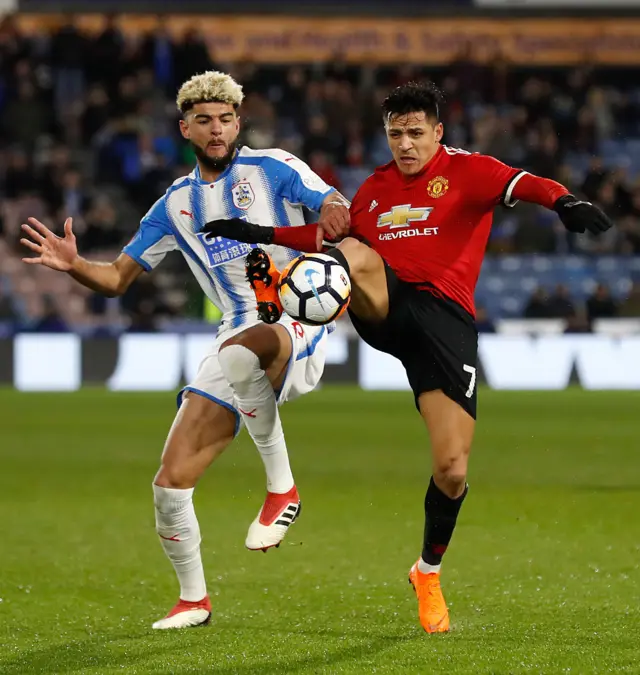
x=314, y=289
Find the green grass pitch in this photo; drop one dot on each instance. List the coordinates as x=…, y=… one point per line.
x=542, y=575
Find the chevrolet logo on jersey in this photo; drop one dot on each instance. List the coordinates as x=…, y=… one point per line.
x=403, y=216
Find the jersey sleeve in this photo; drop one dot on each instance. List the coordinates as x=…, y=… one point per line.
x=301, y=185
x=154, y=238
x=494, y=181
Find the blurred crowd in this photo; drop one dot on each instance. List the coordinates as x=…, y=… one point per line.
x=88, y=129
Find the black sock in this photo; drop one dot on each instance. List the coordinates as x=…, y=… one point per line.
x=340, y=257
x=441, y=513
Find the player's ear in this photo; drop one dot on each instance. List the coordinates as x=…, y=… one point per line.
x=184, y=129
x=439, y=129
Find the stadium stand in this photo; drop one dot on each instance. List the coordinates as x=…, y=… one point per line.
x=88, y=128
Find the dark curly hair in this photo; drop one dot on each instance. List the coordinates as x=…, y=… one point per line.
x=413, y=97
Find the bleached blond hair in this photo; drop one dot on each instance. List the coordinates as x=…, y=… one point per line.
x=209, y=87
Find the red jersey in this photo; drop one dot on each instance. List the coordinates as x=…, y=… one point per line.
x=432, y=228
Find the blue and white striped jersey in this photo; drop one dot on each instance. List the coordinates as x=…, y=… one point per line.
x=267, y=187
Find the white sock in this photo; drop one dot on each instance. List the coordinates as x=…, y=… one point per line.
x=259, y=409
x=179, y=532
x=425, y=568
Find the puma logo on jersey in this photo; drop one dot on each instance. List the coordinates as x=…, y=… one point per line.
x=373, y=205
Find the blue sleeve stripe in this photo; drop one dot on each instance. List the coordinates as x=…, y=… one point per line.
x=134, y=256
x=155, y=225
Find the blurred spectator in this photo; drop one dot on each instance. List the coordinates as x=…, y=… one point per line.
x=106, y=54
x=159, y=54
x=561, y=306
x=8, y=310
x=578, y=322
x=320, y=163
x=538, y=305
x=191, y=55
x=595, y=178
x=69, y=52
x=95, y=115
x=141, y=298
x=543, y=157
x=318, y=137
x=70, y=197
x=25, y=117
x=51, y=320
x=18, y=177
x=601, y=305
x=102, y=227
x=143, y=320
x=483, y=322
x=630, y=307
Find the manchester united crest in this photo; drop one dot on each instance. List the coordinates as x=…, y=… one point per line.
x=243, y=195
x=437, y=187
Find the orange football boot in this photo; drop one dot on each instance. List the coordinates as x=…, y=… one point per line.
x=263, y=276
x=432, y=609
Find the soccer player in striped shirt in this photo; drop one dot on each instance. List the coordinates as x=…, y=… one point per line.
x=252, y=366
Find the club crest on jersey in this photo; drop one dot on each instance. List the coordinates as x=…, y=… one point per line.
x=243, y=195
x=437, y=187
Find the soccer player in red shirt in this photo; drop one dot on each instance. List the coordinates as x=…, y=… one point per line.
x=418, y=233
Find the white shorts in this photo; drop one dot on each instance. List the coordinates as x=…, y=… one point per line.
x=306, y=365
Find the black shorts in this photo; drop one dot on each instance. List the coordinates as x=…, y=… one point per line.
x=434, y=337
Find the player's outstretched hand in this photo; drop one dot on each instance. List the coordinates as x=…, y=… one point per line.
x=58, y=253
x=239, y=230
x=578, y=216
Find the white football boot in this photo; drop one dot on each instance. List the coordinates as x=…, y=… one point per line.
x=271, y=525
x=186, y=615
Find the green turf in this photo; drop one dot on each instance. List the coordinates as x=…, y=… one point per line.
x=542, y=575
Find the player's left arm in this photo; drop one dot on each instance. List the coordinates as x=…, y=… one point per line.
x=507, y=186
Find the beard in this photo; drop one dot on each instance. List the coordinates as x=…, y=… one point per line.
x=215, y=163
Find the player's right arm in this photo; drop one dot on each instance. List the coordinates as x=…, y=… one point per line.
x=151, y=243
x=61, y=254
x=497, y=183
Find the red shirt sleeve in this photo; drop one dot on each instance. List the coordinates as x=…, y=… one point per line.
x=543, y=191
x=492, y=180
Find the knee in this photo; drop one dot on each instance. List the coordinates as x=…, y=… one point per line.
x=450, y=469
x=175, y=475
x=356, y=254
x=238, y=363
